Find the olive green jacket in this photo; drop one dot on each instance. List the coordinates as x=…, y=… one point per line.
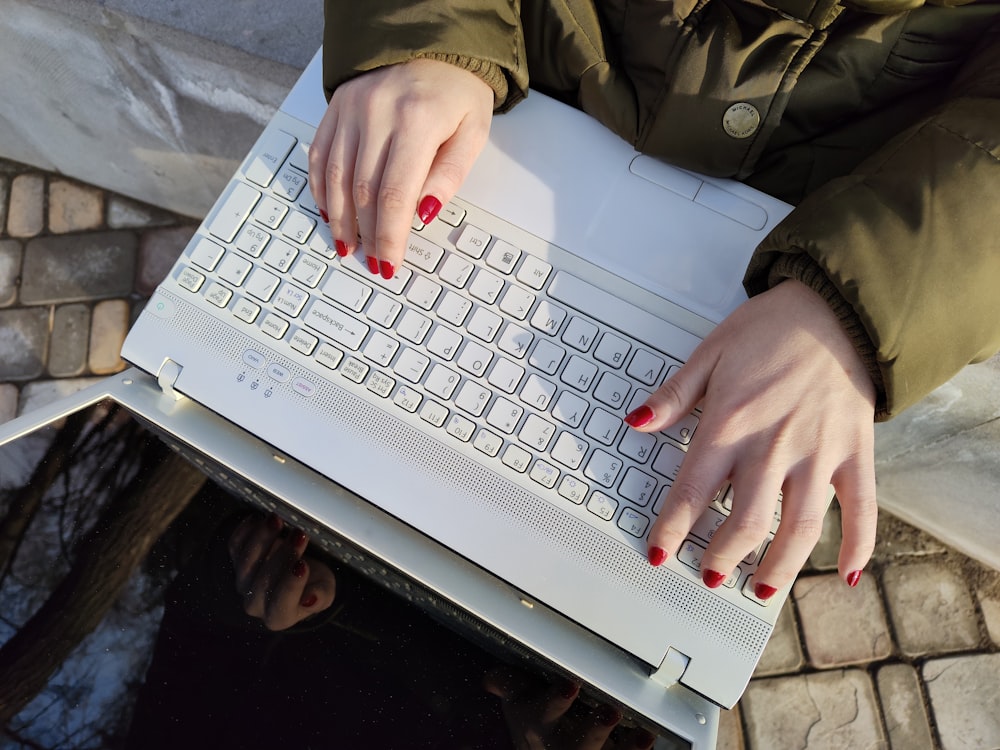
x=880, y=123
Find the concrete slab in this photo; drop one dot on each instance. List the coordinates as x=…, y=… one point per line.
x=842, y=626
x=965, y=700
x=931, y=608
x=78, y=267
x=819, y=711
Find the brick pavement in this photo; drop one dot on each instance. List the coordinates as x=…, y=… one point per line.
x=910, y=659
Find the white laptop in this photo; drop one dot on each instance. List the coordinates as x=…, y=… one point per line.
x=467, y=414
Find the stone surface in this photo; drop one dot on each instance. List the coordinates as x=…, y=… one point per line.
x=730, y=730
x=965, y=700
x=124, y=213
x=819, y=711
x=930, y=607
x=896, y=539
x=4, y=191
x=25, y=216
x=842, y=626
x=42, y=392
x=74, y=207
x=76, y=268
x=109, y=324
x=70, y=341
x=10, y=271
x=24, y=341
x=903, y=708
x=990, y=607
x=158, y=250
x=783, y=653
x=8, y=402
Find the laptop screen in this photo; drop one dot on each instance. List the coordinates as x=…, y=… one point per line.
x=128, y=617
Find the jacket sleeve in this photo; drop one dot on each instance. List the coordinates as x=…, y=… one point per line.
x=483, y=36
x=906, y=249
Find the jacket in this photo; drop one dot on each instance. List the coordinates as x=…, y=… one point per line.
x=878, y=120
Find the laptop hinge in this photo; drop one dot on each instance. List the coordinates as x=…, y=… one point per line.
x=672, y=669
x=167, y=376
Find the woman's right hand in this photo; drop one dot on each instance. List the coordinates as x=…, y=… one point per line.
x=394, y=141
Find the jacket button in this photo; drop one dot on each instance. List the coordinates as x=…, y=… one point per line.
x=741, y=120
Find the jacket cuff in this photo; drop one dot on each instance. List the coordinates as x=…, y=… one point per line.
x=804, y=269
x=505, y=96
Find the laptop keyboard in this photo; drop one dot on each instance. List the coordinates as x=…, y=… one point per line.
x=488, y=344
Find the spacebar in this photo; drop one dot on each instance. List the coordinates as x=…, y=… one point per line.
x=633, y=321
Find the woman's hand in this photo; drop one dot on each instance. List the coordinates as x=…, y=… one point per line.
x=787, y=405
x=278, y=585
x=546, y=716
x=395, y=141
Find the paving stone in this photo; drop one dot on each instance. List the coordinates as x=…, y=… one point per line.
x=841, y=625
x=74, y=208
x=124, y=213
x=896, y=539
x=158, y=251
x=965, y=700
x=4, y=192
x=25, y=216
x=10, y=271
x=76, y=268
x=827, y=550
x=70, y=341
x=42, y=392
x=24, y=341
x=783, y=653
x=109, y=324
x=930, y=607
x=990, y=607
x=730, y=730
x=8, y=402
x=819, y=711
x=903, y=708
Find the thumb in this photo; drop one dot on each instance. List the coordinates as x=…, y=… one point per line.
x=677, y=397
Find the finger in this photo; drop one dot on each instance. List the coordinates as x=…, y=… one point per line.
x=339, y=175
x=803, y=506
x=557, y=699
x=703, y=472
x=239, y=535
x=506, y=683
x=319, y=156
x=597, y=727
x=854, y=485
x=281, y=605
x=254, y=551
x=366, y=189
x=678, y=395
x=450, y=167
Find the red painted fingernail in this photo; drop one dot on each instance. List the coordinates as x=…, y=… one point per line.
x=428, y=209
x=712, y=578
x=387, y=269
x=372, y=264
x=299, y=538
x=308, y=601
x=656, y=555
x=763, y=591
x=324, y=216
x=274, y=523
x=341, y=248
x=853, y=578
x=299, y=569
x=640, y=417
x=608, y=716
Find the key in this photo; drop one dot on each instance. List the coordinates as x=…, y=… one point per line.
x=233, y=211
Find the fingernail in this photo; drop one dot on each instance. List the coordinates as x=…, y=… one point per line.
x=274, y=523
x=308, y=601
x=387, y=269
x=324, y=216
x=853, y=578
x=299, y=538
x=640, y=417
x=712, y=578
x=608, y=716
x=763, y=591
x=341, y=248
x=428, y=209
x=656, y=555
x=644, y=739
x=299, y=569
x=372, y=264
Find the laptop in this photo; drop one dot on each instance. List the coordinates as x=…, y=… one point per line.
x=461, y=423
